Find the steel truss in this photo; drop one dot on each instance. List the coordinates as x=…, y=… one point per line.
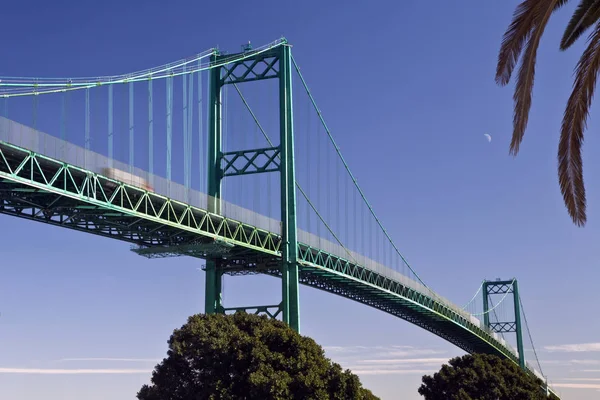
x=40, y=188
x=36, y=187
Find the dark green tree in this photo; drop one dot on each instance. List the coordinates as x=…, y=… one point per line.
x=245, y=356
x=481, y=377
x=523, y=36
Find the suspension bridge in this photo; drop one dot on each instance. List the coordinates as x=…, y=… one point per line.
x=181, y=160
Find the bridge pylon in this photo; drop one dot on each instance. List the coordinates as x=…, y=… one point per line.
x=274, y=63
x=504, y=287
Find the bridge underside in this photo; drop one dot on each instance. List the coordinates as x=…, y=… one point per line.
x=36, y=204
x=38, y=188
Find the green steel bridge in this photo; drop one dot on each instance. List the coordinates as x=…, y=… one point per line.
x=91, y=163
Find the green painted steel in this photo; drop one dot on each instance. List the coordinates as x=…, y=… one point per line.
x=244, y=162
x=247, y=162
x=48, y=190
x=111, y=199
x=486, y=306
x=505, y=287
x=40, y=188
x=198, y=249
x=243, y=70
x=271, y=311
x=289, y=267
x=518, y=329
x=215, y=147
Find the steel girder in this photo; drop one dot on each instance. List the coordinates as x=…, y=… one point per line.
x=166, y=222
x=250, y=161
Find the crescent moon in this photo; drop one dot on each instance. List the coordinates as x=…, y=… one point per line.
x=489, y=137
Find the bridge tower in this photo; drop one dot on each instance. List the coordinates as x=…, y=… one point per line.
x=274, y=63
x=500, y=287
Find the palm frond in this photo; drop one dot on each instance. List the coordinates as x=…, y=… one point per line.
x=586, y=14
x=516, y=35
x=541, y=11
x=513, y=40
x=570, y=164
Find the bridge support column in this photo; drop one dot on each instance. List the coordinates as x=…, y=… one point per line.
x=518, y=330
x=212, y=299
x=503, y=287
x=289, y=252
x=486, y=306
x=258, y=66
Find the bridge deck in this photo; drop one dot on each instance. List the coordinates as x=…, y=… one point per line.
x=45, y=189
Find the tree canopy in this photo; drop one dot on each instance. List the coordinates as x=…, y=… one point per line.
x=245, y=356
x=481, y=377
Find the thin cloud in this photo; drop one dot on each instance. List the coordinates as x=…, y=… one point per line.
x=585, y=362
x=582, y=379
x=389, y=351
x=110, y=359
x=576, y=385
x=391, y=371
x=386, y=360
x=432, y=361
x=54, y=371
x=574, y=348
x=359, y=349
x=414, y=352
x=547, y=362
x=348, y=349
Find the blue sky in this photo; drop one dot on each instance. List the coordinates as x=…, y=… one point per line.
x=408, y=91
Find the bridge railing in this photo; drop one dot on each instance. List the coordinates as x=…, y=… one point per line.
x=53, y=147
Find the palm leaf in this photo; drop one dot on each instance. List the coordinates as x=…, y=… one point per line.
x=516, y=35
x=542, y=10
x=570, y=164
x=513, y=40
x=586, y=14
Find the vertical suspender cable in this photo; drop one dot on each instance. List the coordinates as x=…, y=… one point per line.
x=354, y=179
x=150, y=133
x=111, y=131
x=87, y=126
x=184, y=109
x=35, y=137
x=307, y=150
x=328, y=188
x=319, y=175
x=224, y=137
x=63, y=117
x=123, y=145
x=5, y=135
x=190, y=105
x=131, y=124
x=269, y=177
x=200, y=135
x=338, y=202
x=169, y=126
x=346, y=210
